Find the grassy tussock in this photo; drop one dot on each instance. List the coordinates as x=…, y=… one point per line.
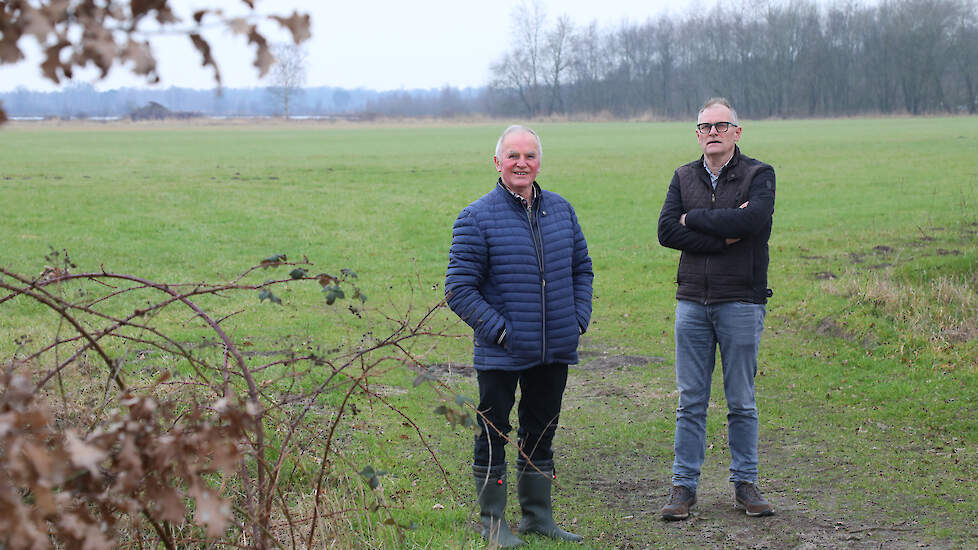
x=942, y=311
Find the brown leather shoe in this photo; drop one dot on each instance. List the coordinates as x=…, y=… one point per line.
x=681, y=499
x=750, y=500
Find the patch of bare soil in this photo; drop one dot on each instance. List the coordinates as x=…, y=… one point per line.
x=636, y=486
x=853, y=259
x=589, y=361
x=830, y=327
x=596, y=360
x=451, y=371
x=715, y=523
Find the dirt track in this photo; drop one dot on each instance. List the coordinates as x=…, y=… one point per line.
x=635, y=494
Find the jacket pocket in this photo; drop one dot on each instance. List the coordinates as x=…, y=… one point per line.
x=519, y=344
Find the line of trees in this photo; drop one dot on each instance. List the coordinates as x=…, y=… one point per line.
x=779, y=58
x=771, y=59
x=82, y=100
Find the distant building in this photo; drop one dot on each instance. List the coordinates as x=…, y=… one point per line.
x=155, y=111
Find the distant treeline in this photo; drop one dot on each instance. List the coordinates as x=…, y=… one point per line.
x=82, y=100
x=771, y=59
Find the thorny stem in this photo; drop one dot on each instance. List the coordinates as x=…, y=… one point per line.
x=52, y=302
x=325, y=462
x=261, y=493
x=164, y=536
x=420, y=437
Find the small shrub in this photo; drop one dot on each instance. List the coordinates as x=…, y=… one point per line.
x=224, y=445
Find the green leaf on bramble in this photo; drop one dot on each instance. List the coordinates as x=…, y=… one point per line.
x=266, y=294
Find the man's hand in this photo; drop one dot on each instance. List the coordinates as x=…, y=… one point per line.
x=682, y=220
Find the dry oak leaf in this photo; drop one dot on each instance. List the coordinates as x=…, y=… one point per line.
x=297, y=24
x=239, y=25
x=89, y=534
x=130, y=463
x=82, y=454
x=212, y=512
x=169, y=502
x=7, y=422
x=47, y=469
x=141, y=56
x=37, y=24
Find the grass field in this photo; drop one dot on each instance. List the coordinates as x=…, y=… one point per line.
x=867, y=385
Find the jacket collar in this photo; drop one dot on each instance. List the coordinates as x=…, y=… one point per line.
x=730, y=163
x=518, y=200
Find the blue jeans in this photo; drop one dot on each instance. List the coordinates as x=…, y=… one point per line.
x=736, y=327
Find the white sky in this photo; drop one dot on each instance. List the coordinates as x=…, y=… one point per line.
x=378, y=44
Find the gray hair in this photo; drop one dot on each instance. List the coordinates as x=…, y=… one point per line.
x=522, y=129
x=719, y=101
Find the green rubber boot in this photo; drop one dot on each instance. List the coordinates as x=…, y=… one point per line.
x=491, y=490
x=534, y=492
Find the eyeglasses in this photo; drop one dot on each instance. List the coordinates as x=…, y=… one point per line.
x=707, y=127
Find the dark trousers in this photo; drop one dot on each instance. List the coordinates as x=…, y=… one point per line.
x=542, y=389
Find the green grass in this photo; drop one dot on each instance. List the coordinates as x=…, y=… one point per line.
x=867, y=378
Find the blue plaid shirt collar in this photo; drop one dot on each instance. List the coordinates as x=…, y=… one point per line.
x=715, y=177
x=536, y=193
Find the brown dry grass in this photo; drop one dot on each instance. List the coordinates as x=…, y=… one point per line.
x=944, y=309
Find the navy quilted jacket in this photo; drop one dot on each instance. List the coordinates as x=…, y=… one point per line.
x=527, y=272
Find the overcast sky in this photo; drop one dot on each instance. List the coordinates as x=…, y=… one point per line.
x=378, y=44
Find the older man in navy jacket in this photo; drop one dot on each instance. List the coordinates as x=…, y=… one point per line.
x=519, y=274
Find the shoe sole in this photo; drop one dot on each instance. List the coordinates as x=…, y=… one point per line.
x=765, y=513
x=677, y=517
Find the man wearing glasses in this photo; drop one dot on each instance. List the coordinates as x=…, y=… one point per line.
x=718, y=212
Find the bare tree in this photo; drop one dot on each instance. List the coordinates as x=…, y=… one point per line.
x=841, y=41
x=450, y=102
x=588, y=66
x=926, y=28
x=521, y=68
x=665, y=40
x=966, y=58
x=288, y=74
x=557, y=45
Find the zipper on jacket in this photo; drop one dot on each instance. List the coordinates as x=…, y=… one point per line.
x=706, y=282
x=536, y=234
x=706, y=270
x=543, y=307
